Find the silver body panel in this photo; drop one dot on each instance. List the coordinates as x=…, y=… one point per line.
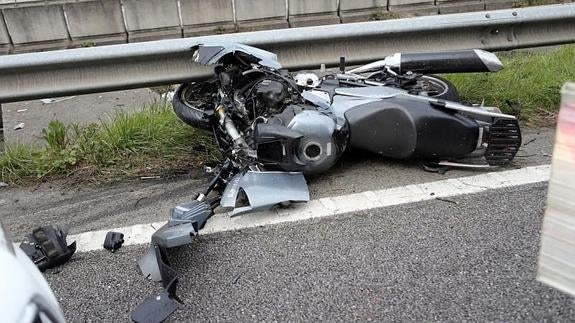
x=210, y=54
x=265, y=190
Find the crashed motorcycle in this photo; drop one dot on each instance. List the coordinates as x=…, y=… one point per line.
x=274, y=128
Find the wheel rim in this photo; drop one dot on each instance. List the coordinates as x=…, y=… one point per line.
x=438, y=86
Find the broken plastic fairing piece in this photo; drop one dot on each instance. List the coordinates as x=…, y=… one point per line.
x=264, y=190
x=210, y=54
x=47, y=247
x=184, y=223
x=157, y=307
x=113, y=241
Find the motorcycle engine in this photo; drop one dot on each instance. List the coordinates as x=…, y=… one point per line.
x=300, y=138
x=271, y=94
x=286, y=132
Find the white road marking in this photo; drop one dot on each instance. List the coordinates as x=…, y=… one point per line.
x=330, y=206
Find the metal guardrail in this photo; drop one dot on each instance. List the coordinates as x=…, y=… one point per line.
x=116, y=67
x=33, y=25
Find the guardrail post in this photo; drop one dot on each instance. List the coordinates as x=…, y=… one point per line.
x=1, y=131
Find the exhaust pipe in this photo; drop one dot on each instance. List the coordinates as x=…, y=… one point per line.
x=463, y=61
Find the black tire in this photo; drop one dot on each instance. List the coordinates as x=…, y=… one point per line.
x=187, y=113
x=449, y=92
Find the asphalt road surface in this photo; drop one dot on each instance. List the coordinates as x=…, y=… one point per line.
x=471, y=258
x=474, y=260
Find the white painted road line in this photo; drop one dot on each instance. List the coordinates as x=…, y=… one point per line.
x=330, y=206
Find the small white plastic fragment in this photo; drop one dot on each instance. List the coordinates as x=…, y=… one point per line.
x=51, y=100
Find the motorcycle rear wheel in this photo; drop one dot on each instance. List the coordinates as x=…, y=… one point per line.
x=437, y=87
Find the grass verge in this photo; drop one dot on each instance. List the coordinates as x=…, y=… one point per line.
x=528, y=86
x=150, y=142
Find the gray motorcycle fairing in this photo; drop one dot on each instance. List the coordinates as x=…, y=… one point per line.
x=210, y=54
x=317, y=129
x=148, y=265
x=342, y=104
x=370, y=92
x=264, y=190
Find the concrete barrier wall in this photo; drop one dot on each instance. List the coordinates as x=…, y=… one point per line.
x=5, y=43
x=31, y=25
x=261, y=14
x=360, y=10
x=96, y=22
x=152, y=19
x=498, y=4
x=201, y=17
x=32, y=28
x=459, y=6
x=413, y=7
x=312, y=13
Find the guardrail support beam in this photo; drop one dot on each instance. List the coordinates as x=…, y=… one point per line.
x=1, y=131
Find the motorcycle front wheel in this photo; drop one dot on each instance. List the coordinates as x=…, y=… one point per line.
x=189, y=110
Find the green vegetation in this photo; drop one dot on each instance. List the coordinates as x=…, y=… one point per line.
x=529, y=81
x=383, y=14
x=220, y=30
x=88, y=43
x=149, y=142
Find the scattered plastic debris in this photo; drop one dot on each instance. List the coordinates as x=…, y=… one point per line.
x=22, y=110
x=150, y=177
x=156, y=308
x=19, y=126
x=113, y=241
x=56, y=100
x=2, y=184
x=446, y=200
x=47, y=247
x=169, y=96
